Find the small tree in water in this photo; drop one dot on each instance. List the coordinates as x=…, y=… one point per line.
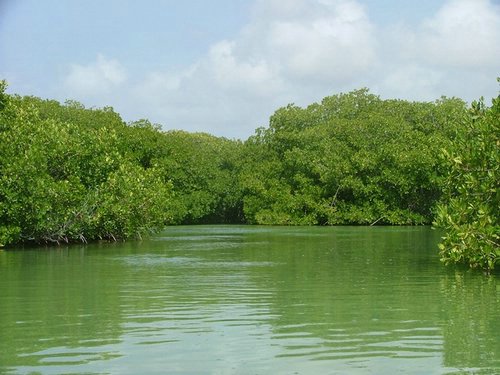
x=470, y=209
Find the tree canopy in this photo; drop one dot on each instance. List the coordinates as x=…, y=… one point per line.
x=469, y=211
x=70, y=173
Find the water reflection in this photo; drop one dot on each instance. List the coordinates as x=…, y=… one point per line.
x=472, y=332
x=248, y=300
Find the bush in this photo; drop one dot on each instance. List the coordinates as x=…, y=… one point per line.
x=470, y=209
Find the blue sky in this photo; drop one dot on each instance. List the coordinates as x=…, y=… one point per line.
x=224, y=66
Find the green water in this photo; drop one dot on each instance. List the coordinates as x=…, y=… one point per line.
x=248, y=300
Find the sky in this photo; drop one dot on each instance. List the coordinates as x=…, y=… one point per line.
x=224, y=66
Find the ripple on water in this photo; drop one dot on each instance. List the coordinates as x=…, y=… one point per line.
x=349, y=344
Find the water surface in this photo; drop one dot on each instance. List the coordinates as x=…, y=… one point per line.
x=248, y=300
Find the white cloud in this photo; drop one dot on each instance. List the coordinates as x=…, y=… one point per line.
x=95, y=78
x=464, y=33
x=300, y=51
x=334, y=43
x=231, y=73
x=219, y=96
x=288, y=51
x=417, y=82
x=454, y=52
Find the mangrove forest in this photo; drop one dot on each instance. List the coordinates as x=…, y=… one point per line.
x=75, y=174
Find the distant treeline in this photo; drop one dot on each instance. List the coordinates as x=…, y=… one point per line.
x=70, y=173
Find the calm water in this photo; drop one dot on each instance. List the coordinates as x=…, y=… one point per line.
x=248, y=300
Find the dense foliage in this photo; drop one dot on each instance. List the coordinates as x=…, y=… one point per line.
x=64, y=176
x=68, y=173
x=201, y=168
x=471, y=204
x=353, y=159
